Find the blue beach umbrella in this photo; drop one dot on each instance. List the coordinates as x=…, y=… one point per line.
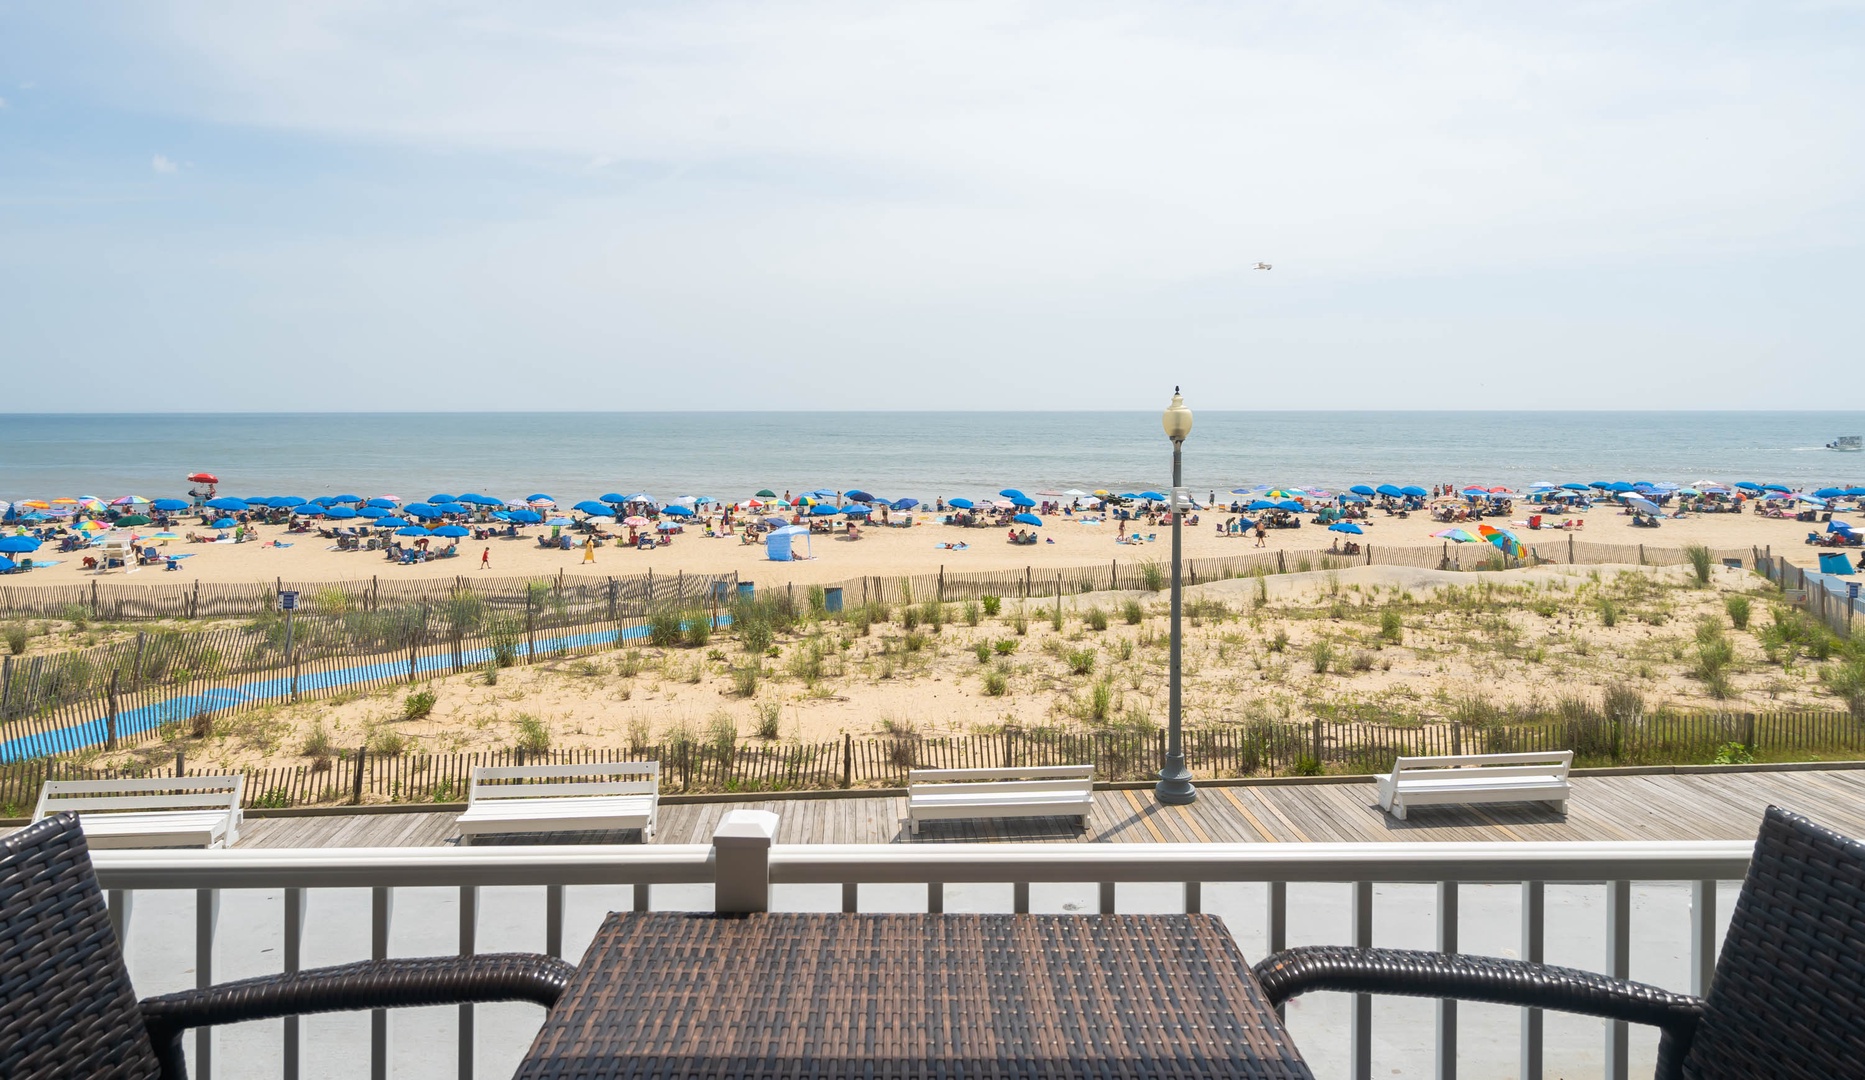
x=1153, y=495
x=1646, y=505
x=1365, y=489
x=1028, y=519
x=7, y=564
x=353, y=499
x=775, y=522
x=170, y=504
x=685, y=512
x=819, y=510
x=473, y=498
x=905, y=504
x=525, y=517
x=1748, y=485
x=453, y=531
x=453, y=508
x=340, y=513
x=1352, y=498
x=1022, y=501
x=226, y=523
x=858, y=496
x=592, y=508
x=1414, y=491
x=611, y=498
x=539, y=497
x=1830, y=492
x=374, y=512
x=1010, y=493
x=392, y=522
x=441, y=498
x=1346, y=527
x=560, y=521
x=307, y=510
x=1776, y=487
x=228, y=502
x=288, y=501
x=1573, y=486
x=18, y=545
x=412, y=530
x=962, y=504
x=1261, y=504
x=380, y=503
x=1391, y=491
x=421, y=510
x=1290, y=505
x=858, y=510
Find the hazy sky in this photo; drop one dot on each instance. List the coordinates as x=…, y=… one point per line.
x=312, y=206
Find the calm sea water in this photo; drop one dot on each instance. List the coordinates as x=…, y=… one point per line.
x=573, y=456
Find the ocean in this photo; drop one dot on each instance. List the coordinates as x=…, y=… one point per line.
x=574, y=456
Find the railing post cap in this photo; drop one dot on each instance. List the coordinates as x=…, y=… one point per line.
x=745, y=828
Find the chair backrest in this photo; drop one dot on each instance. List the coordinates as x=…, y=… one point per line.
x=558, y=781
x=144, y=794
x=70, y=1011
x=1790, y=984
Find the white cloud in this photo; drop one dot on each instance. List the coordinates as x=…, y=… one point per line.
x=2, y=103
x=162, y=165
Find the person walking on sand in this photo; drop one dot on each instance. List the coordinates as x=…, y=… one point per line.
x=485, y=559
x=589, y=550
x=1260, y=534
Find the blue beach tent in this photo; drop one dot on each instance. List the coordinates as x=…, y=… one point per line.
x=1832, y=562
x=777, y=546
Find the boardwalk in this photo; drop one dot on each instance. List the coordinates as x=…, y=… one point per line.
x=1725, y=805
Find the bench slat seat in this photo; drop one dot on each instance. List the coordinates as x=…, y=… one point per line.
x=1043, y=791
x=192, y=811
x=562, y=798
x=1476, y=778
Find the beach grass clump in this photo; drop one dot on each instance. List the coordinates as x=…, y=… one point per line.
x=383, y=739
x=532, y=735
x=914, y=641
x=721, y=735
x=696, y=629
x=1321, y=655
x=1004, y=646
x=1055, y=616
x=1715, y=655
x=1701, y=562
x=746, y=676
x=1096, y=619
x=17, y=637
x=992, y=605
x=1278, y=641
x=1362, y=660
x=1609, y=612
x=1153, y=576
x=973, y=614
x=997, y=681
x=1623, y=703
x=909, y=617
x=818, y=602
x=1391, y=626
x=464, y=611
x=769, y=716
x=317, y=741
x=932, y=614
x=1079, y=661
x=1738, y=608
x=1132, y=613
x=664, y=626
x=806, y=663
x=1020, y=623
x=418, y=705
x=983, y=651
x=1100, y=701
x=490, y=675
x=1847, y=682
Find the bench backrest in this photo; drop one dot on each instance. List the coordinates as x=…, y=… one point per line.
x=1477, y=766
x=1028, y=778
x=148, y=793
x=555, y=781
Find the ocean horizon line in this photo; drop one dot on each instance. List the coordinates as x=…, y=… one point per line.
x=158, y=414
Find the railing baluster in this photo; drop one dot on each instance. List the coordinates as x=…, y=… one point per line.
x=935, y=898
x=851, y=896
x=1194, y=897
x=294, y=961
x=553, y=920
x=1362, y=1028
x=469, y=945
x=641, y=895
x=1619, y=966
x=1108, y=897
x=1534, y=950
x=1447, y=1008
x=381, y=913
x=1020, y=897
x=206, y=925
x=122, y=906
x=1702, y=936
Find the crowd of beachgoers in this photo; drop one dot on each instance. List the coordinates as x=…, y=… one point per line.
x=450, y=533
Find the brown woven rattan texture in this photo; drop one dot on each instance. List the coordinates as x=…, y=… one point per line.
x=1789, y=995
x=66, y=1006
x=769, y=997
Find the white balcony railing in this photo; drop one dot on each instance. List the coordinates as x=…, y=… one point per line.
x=252, y=911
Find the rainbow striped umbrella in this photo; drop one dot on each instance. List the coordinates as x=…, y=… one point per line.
x=1459, y=536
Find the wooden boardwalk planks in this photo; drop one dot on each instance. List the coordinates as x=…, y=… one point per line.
x=1685, y=806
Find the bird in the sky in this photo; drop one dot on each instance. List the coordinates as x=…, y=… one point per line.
x=1263, y=266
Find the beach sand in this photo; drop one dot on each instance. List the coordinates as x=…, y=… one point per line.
x=879, y=551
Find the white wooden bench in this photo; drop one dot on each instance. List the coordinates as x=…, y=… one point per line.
x=562, y=798
x=159, y=811
x=1036, y=791
x=1476, y=778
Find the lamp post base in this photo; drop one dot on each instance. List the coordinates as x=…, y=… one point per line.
x=1175, y=785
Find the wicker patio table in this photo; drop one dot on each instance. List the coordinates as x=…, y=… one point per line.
x=947, y=997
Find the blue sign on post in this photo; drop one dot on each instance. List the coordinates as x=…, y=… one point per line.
x=288, y=601
x=1852, y=590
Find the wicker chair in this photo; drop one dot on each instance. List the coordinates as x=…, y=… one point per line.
x=70, y=1011
x=1785, y=1002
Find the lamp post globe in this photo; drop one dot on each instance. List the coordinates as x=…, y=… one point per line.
x=1175, y=780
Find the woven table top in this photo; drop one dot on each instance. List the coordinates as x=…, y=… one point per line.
x=953, y=997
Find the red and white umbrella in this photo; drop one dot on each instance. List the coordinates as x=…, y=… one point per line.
x=203, y=478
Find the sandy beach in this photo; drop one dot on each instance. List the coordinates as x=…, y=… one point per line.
x=879, y=551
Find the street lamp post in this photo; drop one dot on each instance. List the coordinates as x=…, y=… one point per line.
x=1175, y=780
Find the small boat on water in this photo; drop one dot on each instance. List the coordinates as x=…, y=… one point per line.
x=1848, y=444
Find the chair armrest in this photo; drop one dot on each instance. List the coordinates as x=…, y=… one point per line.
x=1486, y=978
x=369, y=984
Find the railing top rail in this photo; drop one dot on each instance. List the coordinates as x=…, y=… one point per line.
x=593, y=864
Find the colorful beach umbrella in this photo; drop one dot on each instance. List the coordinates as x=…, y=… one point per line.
x=1457, y=536
x=1507, y=542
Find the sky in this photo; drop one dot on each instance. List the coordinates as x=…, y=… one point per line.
x=1004, y=205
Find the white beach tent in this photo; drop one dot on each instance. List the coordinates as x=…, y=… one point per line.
x=777, y=544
